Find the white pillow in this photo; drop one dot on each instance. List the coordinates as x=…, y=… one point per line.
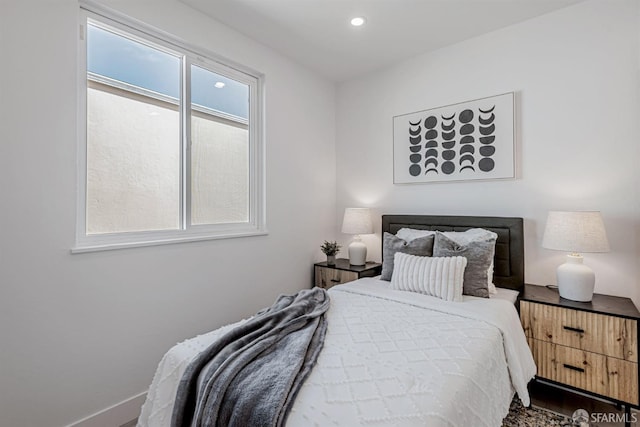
x=440, y=277
x=409, y=234
x=460, y=237
x=471, y=235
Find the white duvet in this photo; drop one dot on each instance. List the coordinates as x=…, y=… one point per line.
x=392, y=358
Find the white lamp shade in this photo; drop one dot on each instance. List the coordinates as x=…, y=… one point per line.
x=357, y=221
x=575, y=232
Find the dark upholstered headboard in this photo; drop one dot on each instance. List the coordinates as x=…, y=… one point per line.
x=508, y=271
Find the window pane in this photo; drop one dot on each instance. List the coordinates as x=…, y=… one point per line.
x=119, y=58
x=219, y=93
x=133, y=136
x=219, y=149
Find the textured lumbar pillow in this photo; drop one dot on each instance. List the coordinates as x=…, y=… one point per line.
x=440, y=277
x=392, y=244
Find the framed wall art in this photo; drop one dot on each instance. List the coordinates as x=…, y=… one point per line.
x=466, y=141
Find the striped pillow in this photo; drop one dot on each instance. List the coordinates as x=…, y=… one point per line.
x=440, y=277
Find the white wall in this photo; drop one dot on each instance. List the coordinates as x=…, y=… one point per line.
x=79, y=333
x=576, y=76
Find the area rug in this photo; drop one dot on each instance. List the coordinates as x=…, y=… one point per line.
x=519, y=416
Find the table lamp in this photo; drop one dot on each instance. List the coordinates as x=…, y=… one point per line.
x=575, y=232
x=357, y=221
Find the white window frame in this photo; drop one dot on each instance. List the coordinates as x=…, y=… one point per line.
x=186, y=232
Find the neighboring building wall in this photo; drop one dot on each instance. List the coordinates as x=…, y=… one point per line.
x=133, y=162
x=219, y=169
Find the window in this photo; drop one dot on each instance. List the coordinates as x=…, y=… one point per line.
x=170, y=141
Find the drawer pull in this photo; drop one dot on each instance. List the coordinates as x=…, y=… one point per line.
x=573, y=368
x=335, y=280
x=569, y=328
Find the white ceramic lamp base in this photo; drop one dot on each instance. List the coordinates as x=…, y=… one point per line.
x=357, y=252
x=576, y=281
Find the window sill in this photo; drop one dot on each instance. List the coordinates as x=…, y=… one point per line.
x=98, y=247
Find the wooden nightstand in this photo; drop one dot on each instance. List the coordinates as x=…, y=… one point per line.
x=591, y=347
x=326, y=276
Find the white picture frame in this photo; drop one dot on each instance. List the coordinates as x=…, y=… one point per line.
x=473, y=140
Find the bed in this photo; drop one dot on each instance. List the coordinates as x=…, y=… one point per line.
x=397, y=358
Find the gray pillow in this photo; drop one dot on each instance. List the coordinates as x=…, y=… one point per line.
x=479, y=255
x=391, y=244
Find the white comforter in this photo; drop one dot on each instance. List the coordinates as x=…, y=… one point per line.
x=392, y=358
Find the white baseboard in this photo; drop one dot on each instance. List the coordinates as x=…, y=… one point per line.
x=116, y=415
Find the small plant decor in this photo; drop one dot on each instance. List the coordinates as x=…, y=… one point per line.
x=330, y=249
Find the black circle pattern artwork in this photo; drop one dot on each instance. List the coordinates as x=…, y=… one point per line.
x=461, y=142
x=448, y=125
x=415, y=138
x=487, y=130
x=467, y=149
x=431, y=147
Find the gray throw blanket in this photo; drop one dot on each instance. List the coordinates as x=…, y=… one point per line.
x=250, y=376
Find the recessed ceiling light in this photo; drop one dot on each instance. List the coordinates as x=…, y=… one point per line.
x=358, y=21
x=219, y=85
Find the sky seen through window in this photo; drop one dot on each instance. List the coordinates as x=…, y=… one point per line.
x=122, y=59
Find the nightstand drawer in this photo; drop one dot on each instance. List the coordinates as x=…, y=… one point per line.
x=607, y=376
x=327, y=277
x=598, y=333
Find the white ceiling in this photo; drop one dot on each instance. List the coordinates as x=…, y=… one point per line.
x=317, y=33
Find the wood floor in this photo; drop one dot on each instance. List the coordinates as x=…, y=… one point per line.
x=565, y=402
